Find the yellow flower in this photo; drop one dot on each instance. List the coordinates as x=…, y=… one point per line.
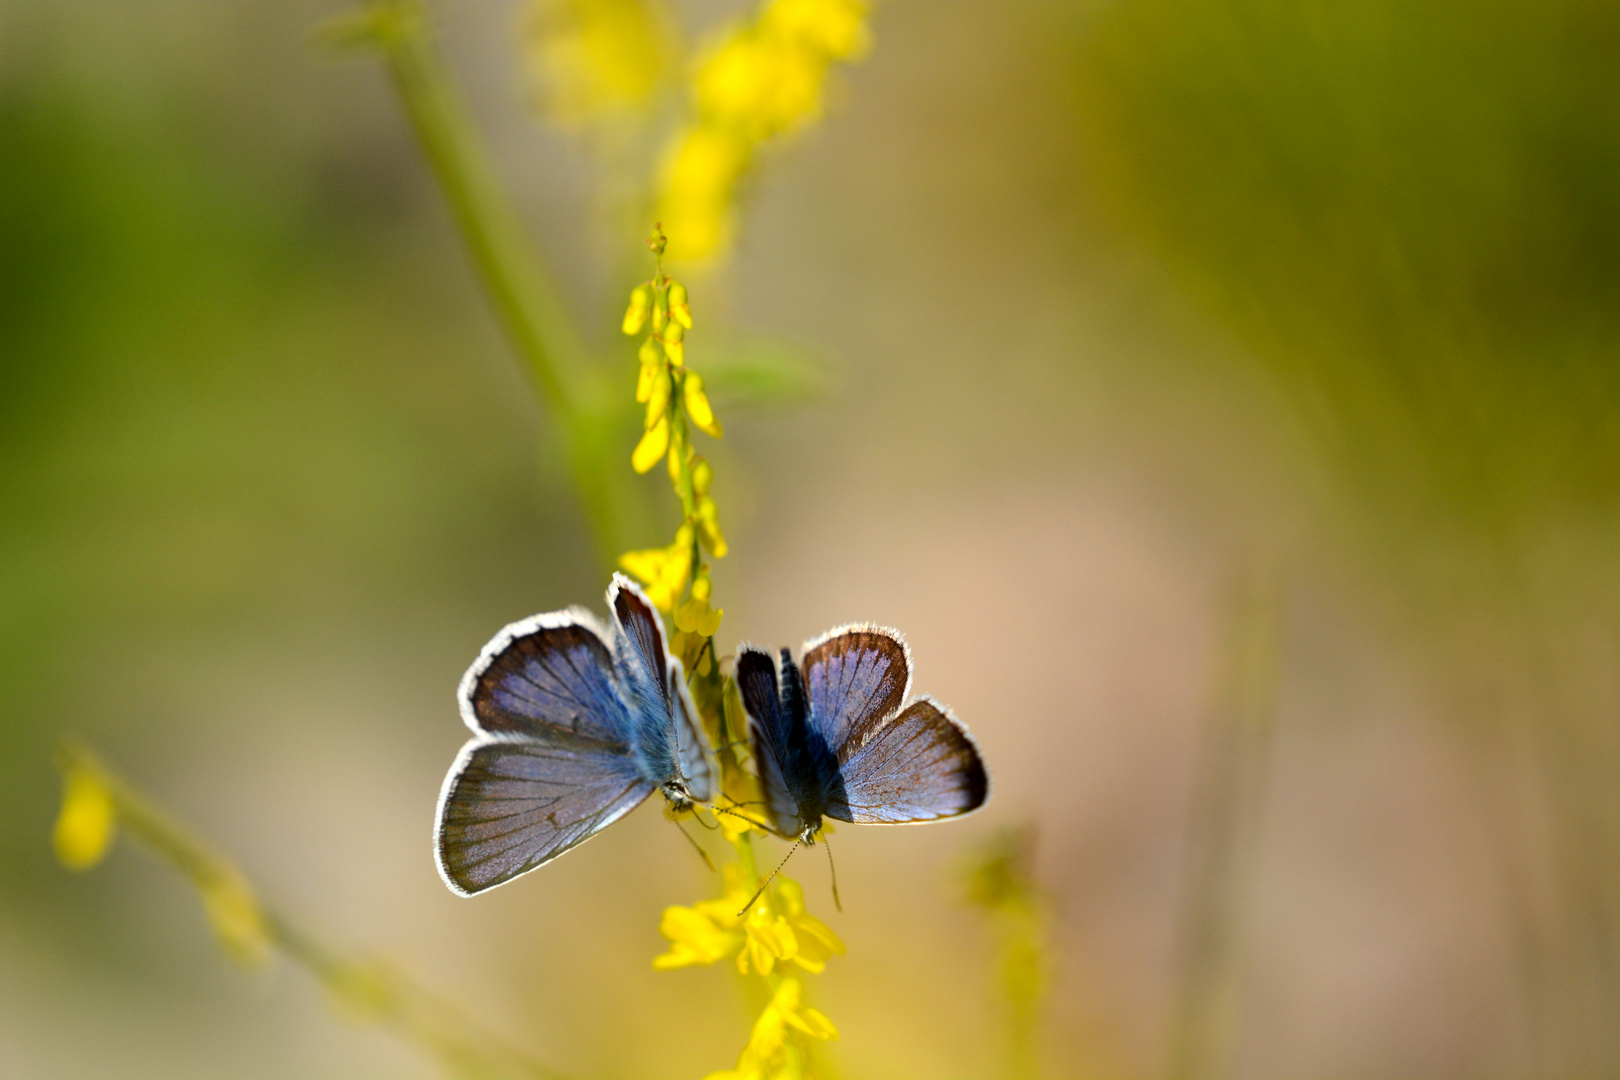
x=679, y=310
x=770, y=939
x=88, y=822
x=697, y=405
x=636, y=314
x=597, y=58
x=706, y=932
x=234, y=912
x=769, y=1052
x=694, y=938
x=708, y=524
x=817, y=942
x=650, y=450
x=697, y=617
x=663, y=570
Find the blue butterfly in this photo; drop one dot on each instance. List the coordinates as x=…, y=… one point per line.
x=573, y=726
x=841, y=740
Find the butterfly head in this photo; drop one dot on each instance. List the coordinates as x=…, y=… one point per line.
x=678, y=795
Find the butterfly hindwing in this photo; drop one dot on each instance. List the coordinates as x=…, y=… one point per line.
x=552, y=762
x=512, y=804
x=919, y=766
x=691, y=744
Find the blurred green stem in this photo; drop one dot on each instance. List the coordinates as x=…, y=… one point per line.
x=1223, y=833
x=522, y=291
x=368, y=989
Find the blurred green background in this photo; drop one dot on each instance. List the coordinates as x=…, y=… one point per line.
x=1220, y=394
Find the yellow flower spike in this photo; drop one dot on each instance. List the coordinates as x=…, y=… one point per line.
x=697, y=405
x=678, y=308
x=88, y=823
x=709, y=528
x=658, y=402
x=635, y=316
x=650, y=450
x=237, y=920
x=694, y=939
x=702, y=472
x=671, y=339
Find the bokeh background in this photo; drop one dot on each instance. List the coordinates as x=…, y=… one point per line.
x=1221, y=395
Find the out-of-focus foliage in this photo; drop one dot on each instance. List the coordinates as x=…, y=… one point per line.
x=1408, y=207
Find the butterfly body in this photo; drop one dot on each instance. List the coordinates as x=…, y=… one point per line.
x=574, y=725
x=838, y=738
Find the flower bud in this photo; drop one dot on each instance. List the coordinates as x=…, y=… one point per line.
x=702, y=472
x=658, y=397
x=671, y=339
x=636, y=314
x=651, y=447
x=678, y=309
x=697, y=405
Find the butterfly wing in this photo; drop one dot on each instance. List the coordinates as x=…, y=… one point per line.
x=768, y=730
x=853, y=676
x=552, y=762
x=668, y=738
x=511, y=805
x=691, y=744
x=919, y=766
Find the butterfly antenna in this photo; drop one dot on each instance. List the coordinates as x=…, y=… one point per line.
x=745, y=817
x=837, y=903
x=696, y=846
x=766, y=884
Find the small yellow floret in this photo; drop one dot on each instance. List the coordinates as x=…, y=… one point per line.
x=88, y=822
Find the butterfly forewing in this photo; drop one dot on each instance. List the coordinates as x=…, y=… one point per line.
x=919, y=766
x=853, y=676
x=769, y=734
x=546, y=675
x=511, y=805
x=644, y=659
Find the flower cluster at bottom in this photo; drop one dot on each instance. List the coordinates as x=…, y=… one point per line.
x=773, y=934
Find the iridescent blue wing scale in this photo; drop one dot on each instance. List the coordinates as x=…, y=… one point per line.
x=919, y=766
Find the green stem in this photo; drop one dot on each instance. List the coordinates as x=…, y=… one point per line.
x=521, y=289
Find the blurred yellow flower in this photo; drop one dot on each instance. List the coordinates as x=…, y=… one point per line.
x=235, y=914
x=816, y=940
x=769, y=1052
x=662, y=571
x=650, y=450
x=761, y=81
x=597, y=58
x=88, y=822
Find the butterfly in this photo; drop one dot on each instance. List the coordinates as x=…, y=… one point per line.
x=839, y=739
x=573, y=726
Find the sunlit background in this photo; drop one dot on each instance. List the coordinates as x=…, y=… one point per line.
x=1222, y=396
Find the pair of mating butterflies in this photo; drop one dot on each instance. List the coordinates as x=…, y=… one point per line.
x=575, y=724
